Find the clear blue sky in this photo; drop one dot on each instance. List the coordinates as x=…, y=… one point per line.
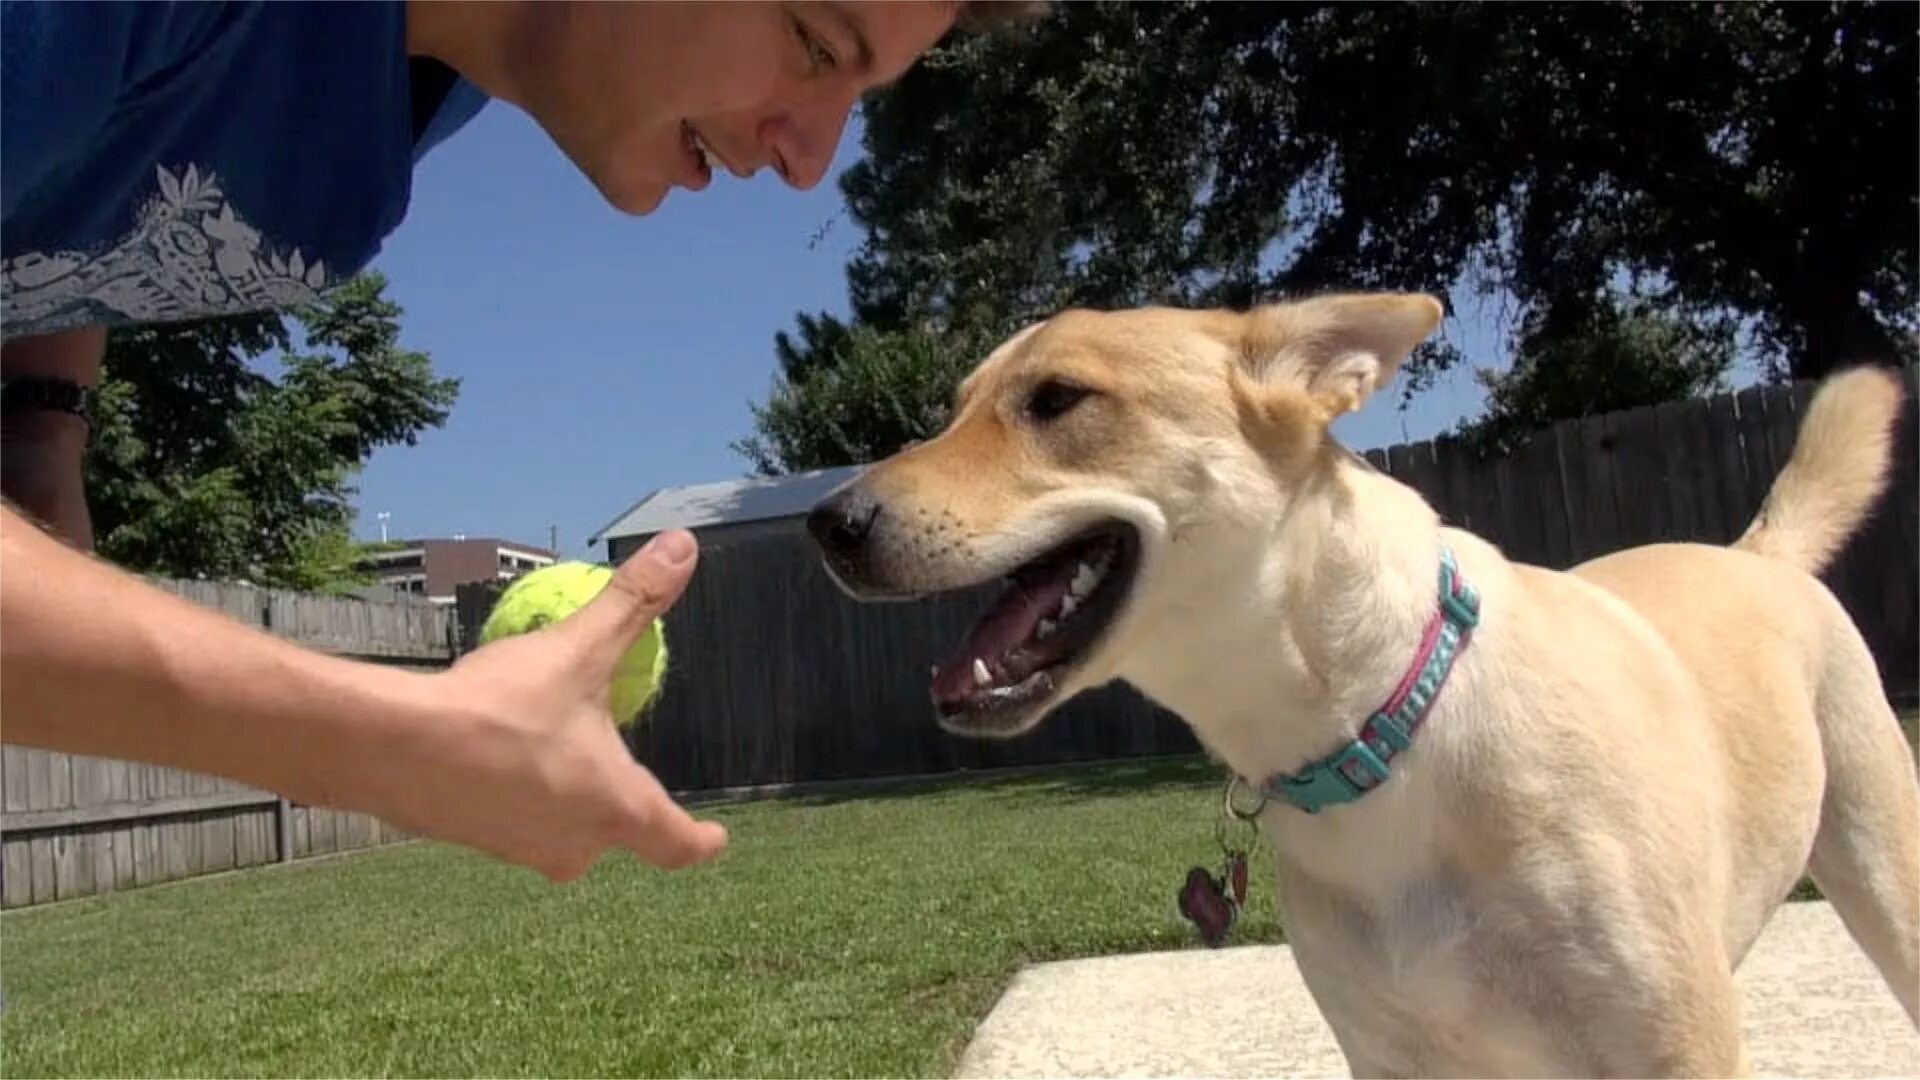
x=521, y=282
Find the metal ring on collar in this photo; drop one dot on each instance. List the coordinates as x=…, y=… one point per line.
x=1235, y=781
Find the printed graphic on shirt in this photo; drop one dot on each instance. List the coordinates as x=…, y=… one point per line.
x=188, y=255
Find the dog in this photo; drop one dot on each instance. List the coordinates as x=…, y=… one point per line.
x=1595, y=785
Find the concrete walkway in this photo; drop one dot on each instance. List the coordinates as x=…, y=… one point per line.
x=1814, y=1007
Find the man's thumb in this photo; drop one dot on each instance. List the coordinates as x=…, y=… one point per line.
x=644, y=586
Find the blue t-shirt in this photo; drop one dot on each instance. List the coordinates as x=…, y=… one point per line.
x=164, y=161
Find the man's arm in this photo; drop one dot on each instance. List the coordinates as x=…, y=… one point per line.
x=42, y=451
x=512, y=751
x=98, y=662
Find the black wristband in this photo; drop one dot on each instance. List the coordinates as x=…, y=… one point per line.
x=41, y=393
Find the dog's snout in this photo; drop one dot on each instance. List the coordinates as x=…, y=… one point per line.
x=842, y=522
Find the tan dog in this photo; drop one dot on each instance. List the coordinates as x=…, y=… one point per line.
x=1626, y=770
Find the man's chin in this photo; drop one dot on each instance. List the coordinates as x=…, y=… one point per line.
x=625, y=189
x=637, y=198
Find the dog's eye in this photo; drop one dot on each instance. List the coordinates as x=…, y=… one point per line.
x=1051, y=399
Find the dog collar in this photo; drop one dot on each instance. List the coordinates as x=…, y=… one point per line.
x=1361, y=765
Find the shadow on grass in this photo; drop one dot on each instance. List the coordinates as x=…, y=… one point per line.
x=1054, y=784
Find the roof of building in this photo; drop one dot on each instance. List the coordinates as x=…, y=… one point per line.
x=727, y=502
x=422, y=541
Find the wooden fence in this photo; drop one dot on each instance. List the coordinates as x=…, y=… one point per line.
x=776, y=678
x=75, y=826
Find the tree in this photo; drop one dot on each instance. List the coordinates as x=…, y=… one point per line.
x=1754, y=162
x=1615, y=354
x=850, y=396
x=204, y=466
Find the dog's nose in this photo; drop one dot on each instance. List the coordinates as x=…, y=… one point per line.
x=841, y=522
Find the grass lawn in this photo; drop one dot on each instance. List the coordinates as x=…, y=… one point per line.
x=838, y=936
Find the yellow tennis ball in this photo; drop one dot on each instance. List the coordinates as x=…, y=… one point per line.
x=550, y=594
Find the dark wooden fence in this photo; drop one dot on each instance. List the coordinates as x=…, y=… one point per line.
x=74, y=826
x=776, y=678
x=779, y=679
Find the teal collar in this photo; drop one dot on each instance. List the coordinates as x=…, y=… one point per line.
x=1361, y=765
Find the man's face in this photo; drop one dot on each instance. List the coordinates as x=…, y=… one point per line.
x=633, y=92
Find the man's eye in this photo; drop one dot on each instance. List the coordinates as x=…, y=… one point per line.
x=818, y=55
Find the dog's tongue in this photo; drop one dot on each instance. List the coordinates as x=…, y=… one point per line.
x=1004, y=628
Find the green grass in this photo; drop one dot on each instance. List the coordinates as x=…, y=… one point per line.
x=859, y=936
x=854, y=936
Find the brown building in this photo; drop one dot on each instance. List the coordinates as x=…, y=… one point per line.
x=434, y=567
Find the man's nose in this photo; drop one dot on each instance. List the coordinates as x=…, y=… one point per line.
x=805, y=139
x=842, y=522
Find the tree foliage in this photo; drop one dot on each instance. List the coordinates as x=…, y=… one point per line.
x=849, y=396
x=1748, y=164
x=1621, y=354
x=203, y=465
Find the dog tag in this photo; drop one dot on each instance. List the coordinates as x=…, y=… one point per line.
x=1207, y=906
x=1236, y=875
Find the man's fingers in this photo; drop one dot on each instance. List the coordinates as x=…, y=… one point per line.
x=643, y=587
x=660, y=831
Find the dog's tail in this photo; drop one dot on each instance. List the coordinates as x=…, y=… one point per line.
x=1837, y=473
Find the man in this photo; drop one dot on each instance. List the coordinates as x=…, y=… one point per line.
x=170, y=161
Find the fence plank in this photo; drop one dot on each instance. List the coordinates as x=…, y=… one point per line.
x=39, y=779
x=16, y=863
x=1455, y=469
x=1539, y=460
x=1693, y=507
x=42, y=876
x=102, y=813
x=246, y=840
x=1736, y=498
x=125, y=840
x=1590, y=493
x=103, y=845
x=217, y=843
x=14, y=760
x=1752, y=406
x=1640, y=501
x=73, y=865
x=146, y=869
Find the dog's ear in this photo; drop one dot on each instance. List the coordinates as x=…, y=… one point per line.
x=1339, y=348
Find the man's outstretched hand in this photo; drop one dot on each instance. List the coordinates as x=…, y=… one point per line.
x=528, y=765
x=511, y=751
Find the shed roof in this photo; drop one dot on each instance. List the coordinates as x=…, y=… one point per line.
x=726, y=502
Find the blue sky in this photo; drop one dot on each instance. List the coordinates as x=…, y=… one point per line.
x=520, y=281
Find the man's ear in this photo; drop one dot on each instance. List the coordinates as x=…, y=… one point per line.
x=1338, y=348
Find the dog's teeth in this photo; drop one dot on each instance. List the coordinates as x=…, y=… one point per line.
x=1067, y=605
x=1084, y=578
x=1046, y=629
x=980, y=673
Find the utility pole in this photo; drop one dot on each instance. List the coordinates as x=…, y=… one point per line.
x=553, y=540
x=383, y=516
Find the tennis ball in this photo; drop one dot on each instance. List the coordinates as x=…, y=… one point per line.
x=550, y=594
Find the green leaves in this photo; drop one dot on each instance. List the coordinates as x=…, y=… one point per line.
x=1613, y=355
x=861, y=394
x=203, y=465
x=1759, y=161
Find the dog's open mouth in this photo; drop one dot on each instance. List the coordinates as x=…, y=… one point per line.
x=1057, y=608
